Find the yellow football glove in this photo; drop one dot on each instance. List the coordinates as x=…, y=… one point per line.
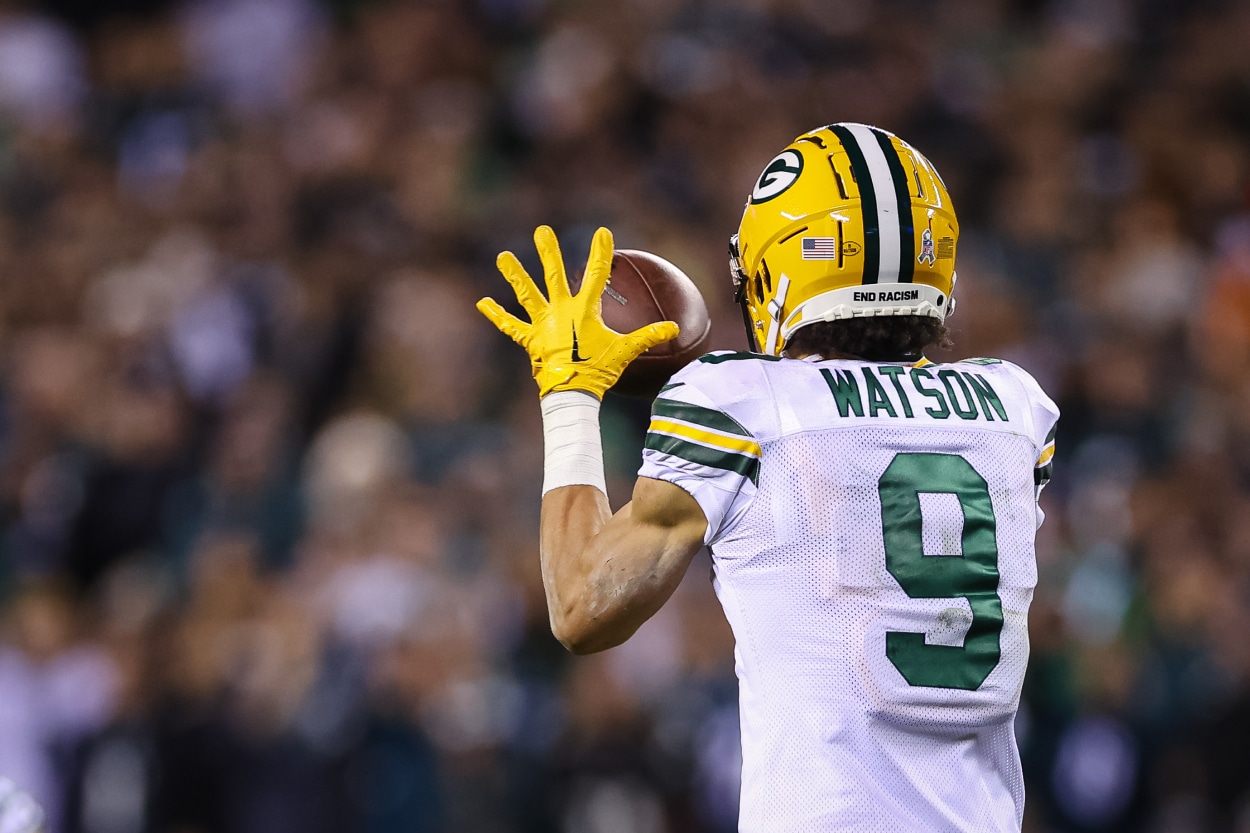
x=569, y=346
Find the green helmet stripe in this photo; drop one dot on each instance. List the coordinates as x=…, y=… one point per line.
x=906, y=230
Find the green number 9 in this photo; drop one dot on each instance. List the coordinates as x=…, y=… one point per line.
x=972, y=575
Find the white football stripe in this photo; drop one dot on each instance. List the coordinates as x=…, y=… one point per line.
x=887, y=202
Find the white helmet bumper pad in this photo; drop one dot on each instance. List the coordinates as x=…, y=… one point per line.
x=868, y=300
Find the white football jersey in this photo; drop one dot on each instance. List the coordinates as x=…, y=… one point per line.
x=872, y=529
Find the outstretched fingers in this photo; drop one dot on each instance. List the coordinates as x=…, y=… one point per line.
x=553, y=263
x=599, y=265
x=508, y=324
x=644, y=338
x=522, y=284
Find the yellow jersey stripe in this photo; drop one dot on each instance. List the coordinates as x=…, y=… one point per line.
x=1047, y=453
x=694, y=425
x=739, y=445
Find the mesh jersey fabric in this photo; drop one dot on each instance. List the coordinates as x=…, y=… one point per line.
x=872, y=531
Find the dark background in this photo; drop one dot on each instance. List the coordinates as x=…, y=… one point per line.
x=269, y=485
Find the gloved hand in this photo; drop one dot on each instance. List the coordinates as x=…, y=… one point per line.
x=569, y=346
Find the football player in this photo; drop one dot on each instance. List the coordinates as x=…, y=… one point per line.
x=870, y=514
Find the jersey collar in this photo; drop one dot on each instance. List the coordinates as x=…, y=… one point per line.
x=921, y=362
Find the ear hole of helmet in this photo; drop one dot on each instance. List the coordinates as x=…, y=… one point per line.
x=768, y=276
x=758, y=285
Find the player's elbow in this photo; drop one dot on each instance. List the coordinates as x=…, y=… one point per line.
x=581, y=635
x=576, y=645
x=575, y=639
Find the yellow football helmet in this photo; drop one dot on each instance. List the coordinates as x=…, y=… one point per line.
x=847, y=221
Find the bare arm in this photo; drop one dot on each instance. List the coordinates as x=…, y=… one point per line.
x=606, y=574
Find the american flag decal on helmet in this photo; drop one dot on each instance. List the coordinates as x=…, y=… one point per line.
x=820, y=248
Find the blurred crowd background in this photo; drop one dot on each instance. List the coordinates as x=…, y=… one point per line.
x=269, y=485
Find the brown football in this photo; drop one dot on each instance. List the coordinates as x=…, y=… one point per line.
x=645, y=288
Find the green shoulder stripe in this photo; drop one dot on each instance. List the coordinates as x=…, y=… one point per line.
x=980, y=360
x=1050, y=438
x=748, y=467
x=698, y=415
x=670, y=386
x=718, y=358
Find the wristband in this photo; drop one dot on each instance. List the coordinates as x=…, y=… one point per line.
x=573, y=448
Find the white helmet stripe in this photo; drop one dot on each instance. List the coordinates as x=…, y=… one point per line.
x=887, y=202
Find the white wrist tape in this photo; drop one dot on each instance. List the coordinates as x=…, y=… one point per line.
x=573, y=448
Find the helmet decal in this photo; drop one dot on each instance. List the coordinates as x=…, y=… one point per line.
x=926, y=248
x=780, y=174
x=820, y=248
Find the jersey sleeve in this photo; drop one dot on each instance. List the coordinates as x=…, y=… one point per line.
x=693, y=443
x=1044, y=418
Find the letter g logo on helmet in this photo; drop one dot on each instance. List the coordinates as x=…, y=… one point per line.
x=778, y=176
